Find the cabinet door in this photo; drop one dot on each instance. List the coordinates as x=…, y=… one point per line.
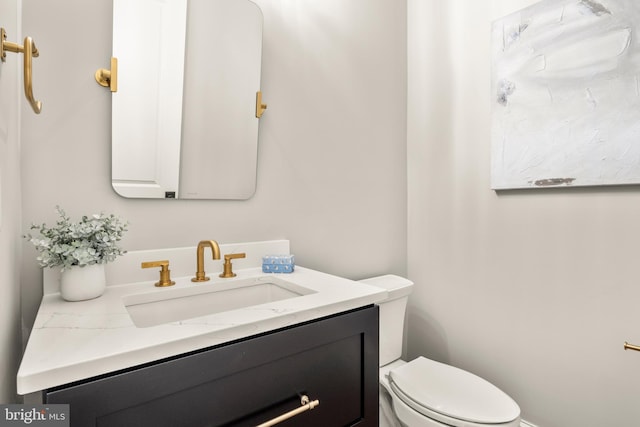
x=333, y=360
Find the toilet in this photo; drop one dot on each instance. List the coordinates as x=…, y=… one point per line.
x=424, y=392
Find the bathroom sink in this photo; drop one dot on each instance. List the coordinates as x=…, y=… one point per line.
x=195, y=300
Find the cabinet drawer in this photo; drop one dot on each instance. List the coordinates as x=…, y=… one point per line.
x=334, y=360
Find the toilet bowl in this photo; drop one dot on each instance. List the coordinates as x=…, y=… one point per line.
x=426, y=393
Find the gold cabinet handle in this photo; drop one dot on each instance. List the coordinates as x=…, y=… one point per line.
x=29, y=51
x=628, y=346
x=165, y=273
x=228, y=267
x=306, y=406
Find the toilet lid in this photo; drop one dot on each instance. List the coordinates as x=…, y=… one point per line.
x=452, y=392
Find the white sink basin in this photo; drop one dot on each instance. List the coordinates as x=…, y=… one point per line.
x=195, y=300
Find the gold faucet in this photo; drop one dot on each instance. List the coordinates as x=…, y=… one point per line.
x=215, y=249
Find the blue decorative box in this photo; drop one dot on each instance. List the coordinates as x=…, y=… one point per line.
x=278, y=264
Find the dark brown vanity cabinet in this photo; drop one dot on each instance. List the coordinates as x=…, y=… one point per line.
x=245, y=383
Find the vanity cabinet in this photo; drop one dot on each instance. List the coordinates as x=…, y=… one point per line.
x=246, y=382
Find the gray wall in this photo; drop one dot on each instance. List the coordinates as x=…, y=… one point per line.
x=332, y=151
x=534, y=290
x=10, y=222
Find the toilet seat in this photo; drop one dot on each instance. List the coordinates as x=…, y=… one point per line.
x=445, y=393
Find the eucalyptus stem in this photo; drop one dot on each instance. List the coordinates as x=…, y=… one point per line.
x=92, y=240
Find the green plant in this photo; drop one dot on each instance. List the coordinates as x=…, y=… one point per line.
x=92, y=240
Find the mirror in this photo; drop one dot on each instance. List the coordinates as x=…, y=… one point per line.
x=184, y=119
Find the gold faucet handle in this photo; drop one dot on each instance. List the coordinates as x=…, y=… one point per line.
x=228, y=267
x=165, y=273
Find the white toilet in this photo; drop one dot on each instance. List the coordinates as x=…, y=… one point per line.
x=428, y=393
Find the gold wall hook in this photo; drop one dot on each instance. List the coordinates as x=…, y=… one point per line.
x=260, y=107
x=29, y=51
x=109, y=78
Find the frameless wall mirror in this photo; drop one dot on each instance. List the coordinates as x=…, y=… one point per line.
x=184, y=119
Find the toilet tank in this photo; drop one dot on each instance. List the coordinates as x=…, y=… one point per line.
x=392, y=312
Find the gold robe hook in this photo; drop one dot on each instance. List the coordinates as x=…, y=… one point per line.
x=29, y=50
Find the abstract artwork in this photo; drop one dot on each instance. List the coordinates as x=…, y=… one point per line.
x=566, y=95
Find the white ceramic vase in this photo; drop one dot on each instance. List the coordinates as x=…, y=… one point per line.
x=83, y=283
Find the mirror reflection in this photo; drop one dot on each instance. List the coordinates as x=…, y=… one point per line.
x=184, y=119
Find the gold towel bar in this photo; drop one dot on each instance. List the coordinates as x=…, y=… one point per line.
x=306, y=406
x=30, y=51
x=628, y=346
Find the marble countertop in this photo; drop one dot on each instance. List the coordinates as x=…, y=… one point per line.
x=72, y=341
